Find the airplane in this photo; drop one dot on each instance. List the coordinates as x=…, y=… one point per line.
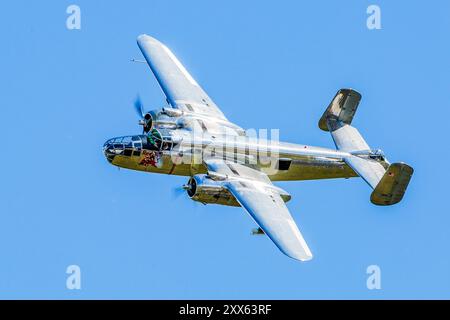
x=228, y=166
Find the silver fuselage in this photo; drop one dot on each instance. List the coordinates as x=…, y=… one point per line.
x=281, y=161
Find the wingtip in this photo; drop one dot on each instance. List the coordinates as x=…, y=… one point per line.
x=145, y=37
x=302, y=257
x=307, y=258
x=141, y=37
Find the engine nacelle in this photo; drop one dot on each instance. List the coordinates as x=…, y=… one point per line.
x=161, y=118
x=172, y=112
x=203, y=189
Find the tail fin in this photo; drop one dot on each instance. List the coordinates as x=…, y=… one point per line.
x=393, y=184
x=342, y=108
x=389, y=181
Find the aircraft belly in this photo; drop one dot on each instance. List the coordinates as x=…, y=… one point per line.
x=154, y=162
x=313, y=169
x=309, y=171
x=301, y=167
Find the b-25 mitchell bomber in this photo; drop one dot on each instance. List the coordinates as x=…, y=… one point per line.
x=228, y=166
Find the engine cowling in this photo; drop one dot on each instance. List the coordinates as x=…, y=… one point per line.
x=160, y=118
x=203, y=189
x=147, y=122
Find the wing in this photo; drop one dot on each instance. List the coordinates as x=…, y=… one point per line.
x=263, y=201
x=181, y=90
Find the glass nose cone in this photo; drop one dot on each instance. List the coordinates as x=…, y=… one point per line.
x=108, y=150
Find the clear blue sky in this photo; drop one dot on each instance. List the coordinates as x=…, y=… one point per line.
x=267, y=65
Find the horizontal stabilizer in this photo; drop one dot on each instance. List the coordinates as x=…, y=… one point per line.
x=370, y=170
x=393, y=184
x=388, y=181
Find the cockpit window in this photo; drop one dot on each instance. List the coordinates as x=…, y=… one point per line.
x=167, y=145
x=155, y=140
x=127, y=142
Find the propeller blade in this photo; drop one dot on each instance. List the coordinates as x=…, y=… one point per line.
x=139, y=107
x=178, y=191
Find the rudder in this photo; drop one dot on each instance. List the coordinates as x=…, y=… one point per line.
x=342, y=108
x=392, y=186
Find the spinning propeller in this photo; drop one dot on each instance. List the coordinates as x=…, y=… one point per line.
x=146, y=120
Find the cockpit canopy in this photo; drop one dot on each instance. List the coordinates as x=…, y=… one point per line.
x=155, y=140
